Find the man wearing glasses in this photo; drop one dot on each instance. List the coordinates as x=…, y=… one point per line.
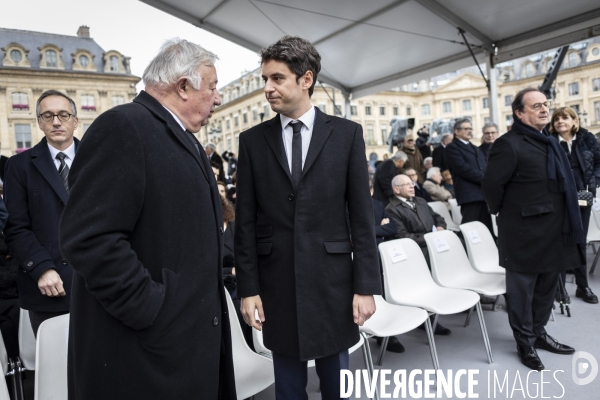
x=490, y=134
x=467, y=165
x=529, y=185
x=35, y=192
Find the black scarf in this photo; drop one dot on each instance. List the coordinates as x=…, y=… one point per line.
x=560, y=180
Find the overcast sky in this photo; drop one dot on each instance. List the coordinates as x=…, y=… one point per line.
x=131, y=27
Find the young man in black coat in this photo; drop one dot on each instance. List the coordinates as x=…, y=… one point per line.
x=143, y=229
x=302, y=186
x=35, y=192
x=529, y=185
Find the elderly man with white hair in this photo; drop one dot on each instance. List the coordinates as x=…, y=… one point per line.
x=143, y=230
x=433, y=186
x=211, y=153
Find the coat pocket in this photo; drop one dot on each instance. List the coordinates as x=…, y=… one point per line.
x=338, y=247
x=537, y=209
x=264, y=248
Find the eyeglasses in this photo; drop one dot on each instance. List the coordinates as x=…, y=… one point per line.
x=406, y=184
x=538, y=106
x=490, y=133
x=465, y=129
x=63, y=116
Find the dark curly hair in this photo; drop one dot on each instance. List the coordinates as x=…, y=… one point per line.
x=228, y=210
x=298, y=54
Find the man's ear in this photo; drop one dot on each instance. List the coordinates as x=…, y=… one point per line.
x=307, y=80
x=182, y=85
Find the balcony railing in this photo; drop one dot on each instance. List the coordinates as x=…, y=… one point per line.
x=88, y=108
x=20, y=107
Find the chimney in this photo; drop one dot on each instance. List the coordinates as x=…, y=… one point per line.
x=83, y=31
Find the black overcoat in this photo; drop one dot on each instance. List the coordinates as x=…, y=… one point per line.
x=382, y=181
x=35, y=198
x=530, y=222
x=294, y=249
x=143, y=232
x=467, y=165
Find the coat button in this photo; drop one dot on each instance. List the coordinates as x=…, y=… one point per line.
x=64, y=262
x=216, y=321
x=291, y=197
x=30, y=263
x=221, y=230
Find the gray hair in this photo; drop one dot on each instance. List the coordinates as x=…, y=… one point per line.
x=49, y=93
x=396, y=180
x=211, y=146
x=459, y=122
x=427, y=159
x=178, y=58
x=432, y=171
x=489, y=125
x=400, y=155
x=446, y=136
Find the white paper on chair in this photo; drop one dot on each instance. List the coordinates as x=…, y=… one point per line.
x=441, y=245
x=596, y=207
x=397, y=254
x=474, y=236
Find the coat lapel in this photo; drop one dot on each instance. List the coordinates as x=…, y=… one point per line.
x=321, y=132
x=175, y=129
x=275, y=140
x=537, y=144
x=40, y=157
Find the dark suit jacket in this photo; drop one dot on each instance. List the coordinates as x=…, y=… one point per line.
x=143, y=231
x=382, y=181
x=3, y=215
x=414, y=224
x=383, y=232
x=35, y=198
x=530, y=238
x=467, y=165
x=3, y=160
x=293, y=248
x=438, y=158
x=216, y=158
x=422, y=193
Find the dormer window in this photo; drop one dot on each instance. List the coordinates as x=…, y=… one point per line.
x=114, y=64
x=16, y=56
x=84, y=61
x=50, y=58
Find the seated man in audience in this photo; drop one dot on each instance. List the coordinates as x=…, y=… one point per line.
x=419, y=191
x=433, y=186
x=447, y=181
x=427, y=163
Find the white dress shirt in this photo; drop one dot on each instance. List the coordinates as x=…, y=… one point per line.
x=308, y=120
x=569, y=144
x=176, y=119
x=69, y=153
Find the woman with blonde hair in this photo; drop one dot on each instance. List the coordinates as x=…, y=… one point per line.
x=584, y=155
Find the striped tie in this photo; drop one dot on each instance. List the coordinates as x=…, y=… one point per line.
x=63, y=170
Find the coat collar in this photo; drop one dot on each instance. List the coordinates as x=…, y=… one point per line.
x=41, y=159
x=156, y=108
x=536, y=143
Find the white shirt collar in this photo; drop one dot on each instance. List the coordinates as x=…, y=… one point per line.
x=560, y=138
x=308, y=119
x=176, y=118
x=69, y=151
x=464, y=141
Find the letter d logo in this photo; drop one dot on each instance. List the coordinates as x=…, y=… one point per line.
x=581, y=364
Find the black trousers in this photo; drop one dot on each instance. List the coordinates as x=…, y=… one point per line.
x=529, y=299
x=37, y=317
x=581, y=272
x=477, y=211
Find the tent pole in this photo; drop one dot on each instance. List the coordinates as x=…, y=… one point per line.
x=492, y=89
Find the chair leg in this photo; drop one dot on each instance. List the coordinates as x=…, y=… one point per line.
x=594, y=247
x=435, y=320
x=468, y=320
x=432, y=348
x=486, y=339
x=369, y=360
x=594, y=263
x=552, y=315
x=496, y=302
x=384, y=343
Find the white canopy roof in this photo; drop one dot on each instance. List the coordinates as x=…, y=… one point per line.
x=370, y=46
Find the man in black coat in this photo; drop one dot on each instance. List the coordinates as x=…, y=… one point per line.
x=467, y=165
x=419, y=190
x=143, y=230
x=229, y=156
x=213, y=156
x=3, y=160
x=529, y=185
x=437, y=155
x=385, y=172
x=489, y=136
x=35, y=191
x=302, y=189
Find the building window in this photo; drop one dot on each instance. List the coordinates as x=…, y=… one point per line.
x=85, y=127
x=117, y=100
x=353, y=110
x=51, y=60
x=20, y=101
x=409, y=111
x=573, y=89
x=466, y=105
x=16, y=56
x=446, y=107
x=509, y=121
x=529, y=70
x=254, y=114
x=597, y=112
x=508, y=100
x=228, y=123
x=425, y=109
x=88, y=103
x=595, y=51
x=323, y=107
x=486, y=120
x=236, y=120
x=596, y=85
x=245, y=118
x=573, y=59
x=266, y=110
x=23, y=136
x=395, y=110
x=370, y=134
x=367, y=110
x=381, y=110
x=486, y=102
x=384, y=135
x=575, y=108
x=114, y=63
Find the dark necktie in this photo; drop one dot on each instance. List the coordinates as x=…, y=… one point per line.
x=411, y=203
x=195, y=141
x=63, y=170
x=296, y=153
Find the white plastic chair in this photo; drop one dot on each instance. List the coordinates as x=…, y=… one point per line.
x=26, y=341
x=51, y=359
x=440, y=208
x=456, y=215
x=481, y=248
x=391, y=320
x=494, y=225
x=408, y=282
x=253, y=372
x=4, y=361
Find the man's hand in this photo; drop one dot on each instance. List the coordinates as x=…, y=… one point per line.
x=50, y=284
x=440, y=228
x=363, y=306
x=249, y=306
x=385, y=221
